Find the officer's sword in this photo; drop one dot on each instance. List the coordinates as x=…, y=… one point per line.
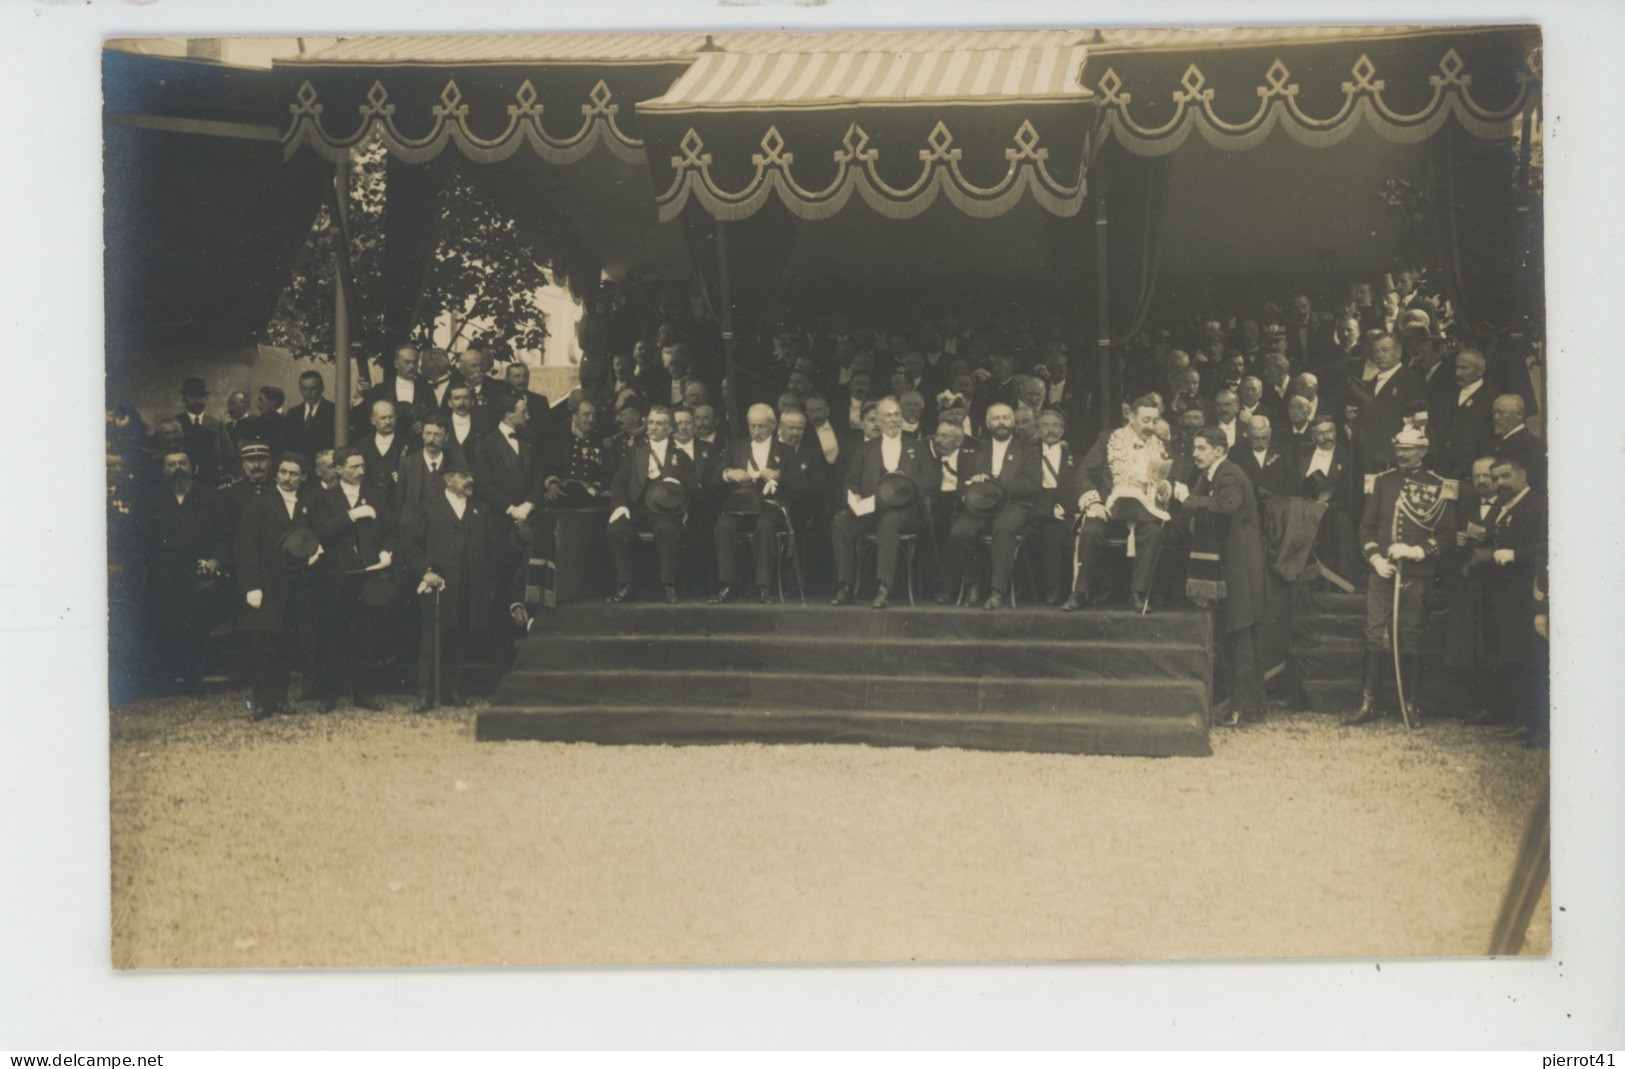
x=1399, y=681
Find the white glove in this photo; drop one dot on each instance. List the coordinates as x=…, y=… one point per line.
x=385, y=558
x=1402, y=551
x=363, y=512
x=1060, y=513
x=1382, y=566
x=521, y=512
x=255, y=598
x=622, y=513
x=1095, y=512
x=1502, y=556
x=1181, y=492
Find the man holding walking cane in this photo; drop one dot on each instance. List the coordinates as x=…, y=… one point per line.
x=1410, y=513
x=452, y=545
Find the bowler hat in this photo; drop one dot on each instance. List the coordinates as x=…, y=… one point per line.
x=300, y=543
x=665, y=498
x=984, y=498
x=192, y=386
x=455, y=461
x=896, y=490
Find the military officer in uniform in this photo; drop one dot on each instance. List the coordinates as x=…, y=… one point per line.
x=1409, y=519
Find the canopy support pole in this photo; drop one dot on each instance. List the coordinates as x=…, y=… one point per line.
x=730, y=382
x=341, y=306
x=1103, y=334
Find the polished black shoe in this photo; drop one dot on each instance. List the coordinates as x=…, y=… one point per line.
x=1368, y=712
x=520, y=617
x=995, y=600
x=1139, y=603
x=1070, y=604
x=880, y=601
x=724, y=592
x=671, y=596
x=765, y=596
x=973, y=597
x=621, y=593
x=843, y=595
x=1229, y=718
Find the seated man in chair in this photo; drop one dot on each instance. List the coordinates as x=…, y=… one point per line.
x=1013, y=466
x=1127, y=481
x=750, y=476
x=866, y=510
x=650, y=492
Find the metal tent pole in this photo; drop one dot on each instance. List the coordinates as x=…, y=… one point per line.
x=341, y=305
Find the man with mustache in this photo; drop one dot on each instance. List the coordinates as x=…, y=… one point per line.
x=1015, y=465
x=183, y=561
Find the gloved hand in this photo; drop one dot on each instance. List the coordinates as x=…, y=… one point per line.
x=1382, y=566
x=255, y=598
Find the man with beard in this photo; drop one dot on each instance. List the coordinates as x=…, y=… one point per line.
x=1054, y=505
x=950, y=451
x=1466, y=648
x=1409, y=518
x=1015, y=465
x=357, y=532
x=451, y=548
x=1514, y=441
x=1325, y=473
x=706, y=427
x=275, y=549
x=1266, y=467
x=654, y=461
x=1126, y=482
x=574, y=473
x=887, y=454
x=1226, y=410
x=804, y=482
x=383, y=448
x=183, y=553
x=749, y=476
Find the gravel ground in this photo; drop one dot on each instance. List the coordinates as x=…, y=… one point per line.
x=377, y=839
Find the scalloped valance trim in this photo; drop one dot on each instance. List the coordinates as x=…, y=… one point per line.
x=940, y=176
x=1278, y=110
x=599, y=127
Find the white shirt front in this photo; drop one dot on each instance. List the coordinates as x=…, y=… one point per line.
x=1052, y=454
x=657, y=457
x=513, y=440
x=996, y=461
x=891, y=452
x=433, y=463
x=828, y=442
x=289, y=501
x=405, y=389
x=352, y=494
x=459, y=504
x=1321, y=461
x=1229, y=430
x=1382, y=379
x=950, y=472
x=759, y=454
x=1259, y=455
x=1468, y=391
x=1057, y=391
x=383, y=443
x=461, y=426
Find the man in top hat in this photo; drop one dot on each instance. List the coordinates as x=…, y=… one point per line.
x=201, y=431
x=888, y=516
x=357, y=529
x=650, y=492
x=749, y=478
x=1409, y=520
x=275, y=551
x=1124, y=479
x=1014, y=466
x=451, y=548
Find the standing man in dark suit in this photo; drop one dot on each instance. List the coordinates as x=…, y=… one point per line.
x=1514, y=441
x=309, y=428
x=1509, y=567
x=1382, y=399
x=1015, y=465
x=1266, y=467
x=749, y=477
x=655, y=460
x=230, y=438
x=451, y=548
x=275, y=549
x=1466, y=420
x=383, y=448
x=411, y=397
x=357, y=528
x=876, y=458
x=1325, y=474
x=183, y=552
x=1408, y=521
x=266, y=424
x=1225, y=525
x=201, y=432
x=422, y=469
x=507, y=477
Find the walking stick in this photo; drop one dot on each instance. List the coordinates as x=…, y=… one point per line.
x=1399, y=681
x=435, y=701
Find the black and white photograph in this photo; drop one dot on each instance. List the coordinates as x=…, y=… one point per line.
x=771, y=497
x=1070, y=494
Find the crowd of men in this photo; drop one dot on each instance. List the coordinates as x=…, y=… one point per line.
x=1362, y=442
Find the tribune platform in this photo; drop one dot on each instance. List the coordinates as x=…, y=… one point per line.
x=1039, y=680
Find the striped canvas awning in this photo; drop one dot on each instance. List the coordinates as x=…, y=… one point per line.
x=913, y=69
